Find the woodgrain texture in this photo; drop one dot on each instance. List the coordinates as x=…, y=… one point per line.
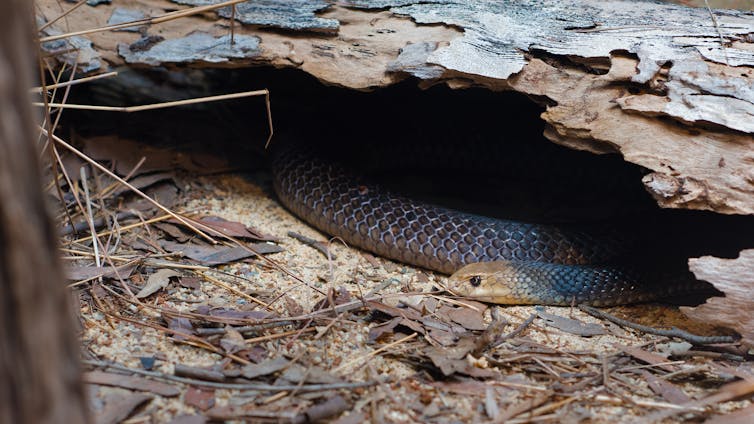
x=734, y=277
x=664, y=85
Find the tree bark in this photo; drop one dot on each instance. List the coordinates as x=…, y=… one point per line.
x=39, y=366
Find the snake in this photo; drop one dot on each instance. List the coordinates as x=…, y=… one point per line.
x=488, y=259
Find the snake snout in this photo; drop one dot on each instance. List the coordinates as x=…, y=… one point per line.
x=479, y=280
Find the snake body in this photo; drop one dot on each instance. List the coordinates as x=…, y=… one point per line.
x=549, y=264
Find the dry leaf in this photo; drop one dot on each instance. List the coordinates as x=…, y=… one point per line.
x=189, y=419
x=193, y=283
x=217, y=255
x=181, y=325
x=321, y=411
x=202, y=399
x=78, y=273
x=644, y=356
x=572, y=326
x=267, y=367
x=175, y=232
x=443, y=337
x=143, y=181
x=235, y=229
x=158, y=280
x=164, y=193
x=233, y=341
x=469, y=318
x=294, y=308
x=384, y=329
x=119, y=406
x=131, y=382
x=490, y=404
x=298, y=374
x=669, y=391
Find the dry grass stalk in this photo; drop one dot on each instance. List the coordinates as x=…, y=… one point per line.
x=146, y=21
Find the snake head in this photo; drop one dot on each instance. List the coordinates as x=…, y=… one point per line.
x=487, y=282
x=478, y=281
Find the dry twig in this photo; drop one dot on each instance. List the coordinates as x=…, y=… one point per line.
x=673, y=332
x=232, y=386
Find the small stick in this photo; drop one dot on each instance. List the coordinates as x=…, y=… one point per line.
x=673, y=332
x=318, y=245
x=232, y=25
x=231, y=386
x=181, y=370
x=127, y=184
x=719, y=34
x=98, y=223
x=190, y=338
x=163, y=264
x=106, y=191
x=235, y=291
x=65, y=94
x=125, y=228
x=551, y=407
x=146, y=21
x=99, y=304
x=646, y=403
x=453, y=301
x=242, y=330
x=62, y=15
x=375, y=352
x=90, y=218
x=278, y=335
x=104, y=272
x=521, y=327
x=152, y=106
x=518, y=385
x=74, y=82
x=54, y=157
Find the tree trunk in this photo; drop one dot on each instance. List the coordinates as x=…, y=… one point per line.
x=39, y=366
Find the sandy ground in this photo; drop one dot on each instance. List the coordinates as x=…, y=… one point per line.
x=408, y=395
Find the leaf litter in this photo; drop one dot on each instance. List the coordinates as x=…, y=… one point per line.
x=547, y=367
x=301, y=336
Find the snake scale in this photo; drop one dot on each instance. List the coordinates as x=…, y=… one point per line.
x=495, y=260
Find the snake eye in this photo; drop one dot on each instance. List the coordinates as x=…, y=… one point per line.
x=475, y=280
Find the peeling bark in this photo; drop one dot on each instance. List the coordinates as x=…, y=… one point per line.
x=675, y=100
x=735, y=278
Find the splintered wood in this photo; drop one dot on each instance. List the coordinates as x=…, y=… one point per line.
x=644, y=79
x=735, y=278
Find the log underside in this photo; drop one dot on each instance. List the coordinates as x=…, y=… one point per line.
x=669, y=88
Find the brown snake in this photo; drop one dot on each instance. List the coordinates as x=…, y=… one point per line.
x=533, y=263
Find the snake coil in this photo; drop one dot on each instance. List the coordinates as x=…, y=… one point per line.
x=545, y=264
